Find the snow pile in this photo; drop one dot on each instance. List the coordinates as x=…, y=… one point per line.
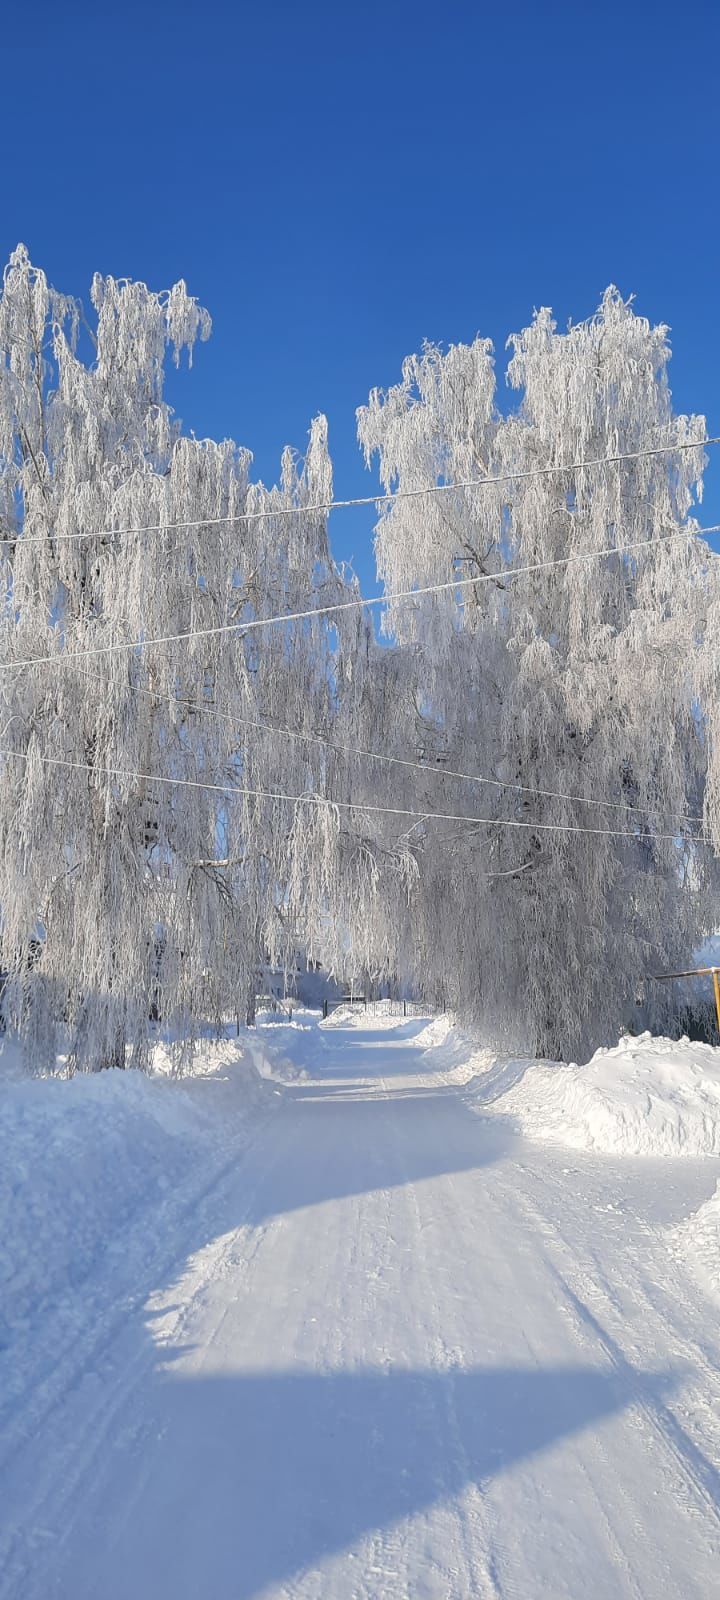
x=436, y=1032
x=273, y=1046
x=644, y=1097
x=455, y=1051
x=85, y=1161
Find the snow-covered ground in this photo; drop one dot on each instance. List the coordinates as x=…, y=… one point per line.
x=362, y=1313
x=643, y=1097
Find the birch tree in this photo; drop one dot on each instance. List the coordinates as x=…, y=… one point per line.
x=576, y=680
x=186, y=795
x=123, y=893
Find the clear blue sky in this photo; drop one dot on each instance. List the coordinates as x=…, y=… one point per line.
x=337, y=182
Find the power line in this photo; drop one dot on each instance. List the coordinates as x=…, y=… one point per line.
x=243, y=627
x=263, y=726
x=373, y=499
x=341, y=805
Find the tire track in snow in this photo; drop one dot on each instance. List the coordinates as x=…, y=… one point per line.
x=698, y=1475
x=388, y=1265
x=479, y=1576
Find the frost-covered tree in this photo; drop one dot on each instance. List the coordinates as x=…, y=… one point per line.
x=578, y=680
x=123, y=895
x=186, y=794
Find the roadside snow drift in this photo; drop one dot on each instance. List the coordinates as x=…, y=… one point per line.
x=86, y=1159
x=456, y=1052
x=644, y=1097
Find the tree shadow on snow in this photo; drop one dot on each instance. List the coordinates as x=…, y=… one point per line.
x=252, y=1479
x=347, y=1143
x=215, y=1488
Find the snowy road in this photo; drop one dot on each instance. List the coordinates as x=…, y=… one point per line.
x=393, y=1351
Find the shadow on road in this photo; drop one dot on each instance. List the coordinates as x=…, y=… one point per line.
x=355, y=1135
x=193, y=1485
x=257, y=1478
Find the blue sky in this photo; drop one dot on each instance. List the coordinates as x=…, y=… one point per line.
x=338, y=182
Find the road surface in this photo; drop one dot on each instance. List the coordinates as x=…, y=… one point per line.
x=392, y=1351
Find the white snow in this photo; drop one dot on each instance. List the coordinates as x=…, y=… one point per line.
x=698, y=1242
x=354, y=1014
x=456, y=1050
x=88, y=1160
x=644, y=1096
x=374, y=1345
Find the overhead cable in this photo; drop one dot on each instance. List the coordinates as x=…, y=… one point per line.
x=262, y=725
x=390, y=495
x=241, y=790
x=244, y=627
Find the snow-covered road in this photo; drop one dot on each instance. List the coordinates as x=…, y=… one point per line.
x=391, y=1351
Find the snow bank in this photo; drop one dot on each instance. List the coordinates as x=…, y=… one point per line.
x=274, y=1045
x=455, y=1051
x=644, y=1097
x=85, y=1160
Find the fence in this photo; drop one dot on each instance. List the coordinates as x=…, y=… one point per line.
x=271, y=1002
x=378, y=1008
x=358, y=1002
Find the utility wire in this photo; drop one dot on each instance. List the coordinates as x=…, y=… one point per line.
x=340, y=805
x=244, y=627
x=375, y=499
x=264, y=726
